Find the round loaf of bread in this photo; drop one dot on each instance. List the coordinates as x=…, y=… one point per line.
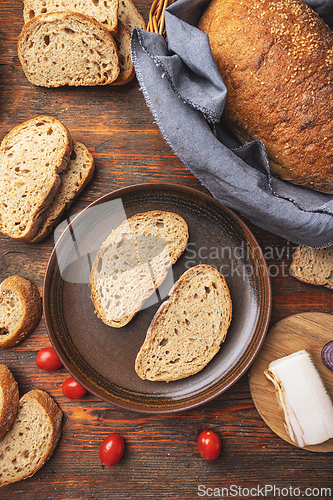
x=276, y=59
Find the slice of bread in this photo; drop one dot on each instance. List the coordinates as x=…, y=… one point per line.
x=188, y=328
x=67, y=48
x=313, y=265
x=31, y=440
x=79, y=172
x=9, y=399
x=129, y=16
x=32, y=155
x=20, y=310
x=105, y=12
x=123, y=42
x=133, y=262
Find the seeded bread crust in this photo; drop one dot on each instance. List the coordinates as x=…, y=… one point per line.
x=67, y=48
x=133, y=262
x=9, y=399
x=79, y=173
x=313, y=265
x=188, y=328
x=20, y=310
x=106, y=12
x=31, y=440
x=32, y=155
x=276, y=59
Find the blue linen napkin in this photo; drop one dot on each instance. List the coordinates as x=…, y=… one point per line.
x=186, y=95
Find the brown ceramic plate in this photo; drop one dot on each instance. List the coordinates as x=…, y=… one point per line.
x=102, y=358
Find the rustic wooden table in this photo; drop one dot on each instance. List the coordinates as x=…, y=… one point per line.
x=161, y=460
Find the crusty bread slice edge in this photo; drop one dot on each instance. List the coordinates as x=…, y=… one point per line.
x=160, y=311
x=55, y=415
x=128, y=318
x=10, y=399
x=296, y=272
x=28, y=7
x=62, y=165
x=53, y=214
x=32, y=304
x=125, y=76
x=129, y=15
x=49, y=17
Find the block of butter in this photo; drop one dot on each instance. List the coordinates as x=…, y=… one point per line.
x=306, y=405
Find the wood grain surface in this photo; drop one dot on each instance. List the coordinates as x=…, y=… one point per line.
x=310, y=331
x=161, y=460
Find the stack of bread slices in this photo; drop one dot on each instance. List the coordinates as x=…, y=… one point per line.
x=30, y=428
x=86, y=42
x=42, y=170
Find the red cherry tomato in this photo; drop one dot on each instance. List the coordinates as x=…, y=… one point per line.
x=111, y=450
x=47, y=359
x=209, y=445
x=72, y=389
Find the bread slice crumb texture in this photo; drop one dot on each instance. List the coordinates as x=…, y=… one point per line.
x=133, y=262
x=31, y=440
x=105, y=12
x=129, y=16
x=20, y=310
x=313, y=265
x=80, y=171
x=123, y=42
x=32, y=155
x=11, y=311
x=66, y=48
x=188, y=328
x=9, y=399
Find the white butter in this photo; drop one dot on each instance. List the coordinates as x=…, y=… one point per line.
x=306, y=405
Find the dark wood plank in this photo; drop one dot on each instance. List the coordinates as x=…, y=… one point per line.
x=161, y=458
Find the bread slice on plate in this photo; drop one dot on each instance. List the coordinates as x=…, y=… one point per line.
x=31, y=440
x=20, y=310
x=313, y=265
x=79, y=172
x=133, y=262
x=129, y=16
x=105, y=12
x=32, y=155
x=188, y=328
x=67, y=48
x=123, y=42
x=9, y=399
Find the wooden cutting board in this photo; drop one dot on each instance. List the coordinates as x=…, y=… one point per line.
x=310, y=331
